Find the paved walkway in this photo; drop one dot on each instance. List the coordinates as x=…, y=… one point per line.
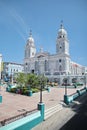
x=59, y=119
x=15, y=104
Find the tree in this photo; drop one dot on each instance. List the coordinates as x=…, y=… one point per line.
x=21, y=79
x=32, y=81
x=42, y=80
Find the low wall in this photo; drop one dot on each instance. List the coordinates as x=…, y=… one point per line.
x=28, y=122
x=69, y=98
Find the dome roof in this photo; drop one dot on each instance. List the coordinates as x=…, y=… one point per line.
x=62, y=30
x=30, y=40
x=0, y=55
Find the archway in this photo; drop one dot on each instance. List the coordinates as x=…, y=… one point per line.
x=74, y=80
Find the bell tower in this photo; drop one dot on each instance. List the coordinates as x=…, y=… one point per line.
x=30, y=49
x=62, y=43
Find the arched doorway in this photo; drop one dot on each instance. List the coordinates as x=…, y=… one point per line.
x=74, y=80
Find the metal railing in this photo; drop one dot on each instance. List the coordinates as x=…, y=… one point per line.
x=17, y=117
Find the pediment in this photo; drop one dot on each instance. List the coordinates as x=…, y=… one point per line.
x=39, y=55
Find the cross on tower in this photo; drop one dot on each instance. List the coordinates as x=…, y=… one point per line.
x=61, y=24
x=30, y=34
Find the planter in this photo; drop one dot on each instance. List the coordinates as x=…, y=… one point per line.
x=8, y=89
x=78, y=91
x=48, y=89
x=66, y=99
x=18, y=91
x=30, y=93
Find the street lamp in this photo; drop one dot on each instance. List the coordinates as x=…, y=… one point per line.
x=38, y=66
x=11, y=77
x=85, y=80
x=66, y=96
x=41, y=87
x=41, y=106
x=65, y=82
x=41, y=93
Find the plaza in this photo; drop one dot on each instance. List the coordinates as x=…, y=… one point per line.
x=16, y=104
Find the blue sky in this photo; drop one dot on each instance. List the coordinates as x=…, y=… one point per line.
x=17, y=17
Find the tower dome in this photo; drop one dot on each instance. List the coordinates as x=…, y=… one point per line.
x=62, y=43
x=30, y=49
x=30, y=40
x=62, y=32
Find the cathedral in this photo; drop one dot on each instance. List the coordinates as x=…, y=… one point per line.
x=51, y=65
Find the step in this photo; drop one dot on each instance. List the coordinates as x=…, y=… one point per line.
x=49, y=112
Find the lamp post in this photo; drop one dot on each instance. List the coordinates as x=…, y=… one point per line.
x=65, y=82
x=65, y=95
x=41, y=87
x=65, y=89
x=85, y=80
x=38, y=66
x=11, y=77
x=41, y=93
x=41, y=106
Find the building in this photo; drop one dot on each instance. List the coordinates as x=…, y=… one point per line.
x=52, y=66
x=77, y=69
x=10, y=69
x=85, y=70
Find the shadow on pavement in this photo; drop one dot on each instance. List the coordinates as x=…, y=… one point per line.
x=79, y=121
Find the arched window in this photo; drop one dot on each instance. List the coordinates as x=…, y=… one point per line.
x=60, y=60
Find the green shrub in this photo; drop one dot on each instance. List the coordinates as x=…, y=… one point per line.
x=25, y=92
x=13, y=90
x=35, y=90
x=79, y=84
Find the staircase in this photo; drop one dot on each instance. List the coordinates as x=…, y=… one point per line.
x=49, y=112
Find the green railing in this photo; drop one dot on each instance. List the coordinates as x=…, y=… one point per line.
x=69, y=98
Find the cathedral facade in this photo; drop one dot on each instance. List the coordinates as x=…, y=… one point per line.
x=51, y=65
